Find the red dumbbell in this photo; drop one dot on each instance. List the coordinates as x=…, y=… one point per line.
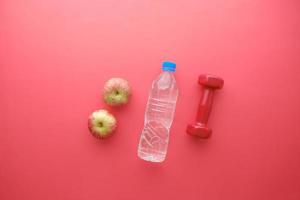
x=209, y=84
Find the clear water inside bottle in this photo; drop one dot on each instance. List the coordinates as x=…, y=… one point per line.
x=159, y=116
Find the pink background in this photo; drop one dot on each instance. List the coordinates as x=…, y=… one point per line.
x=55, y=56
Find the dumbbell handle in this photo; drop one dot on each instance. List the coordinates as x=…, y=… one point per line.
x=205, y=106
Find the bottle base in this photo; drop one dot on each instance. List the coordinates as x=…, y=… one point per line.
x=157, y=158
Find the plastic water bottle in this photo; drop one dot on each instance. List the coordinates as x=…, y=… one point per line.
x=159, y=116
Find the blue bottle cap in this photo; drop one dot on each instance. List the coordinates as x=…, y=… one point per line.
x=168, y=66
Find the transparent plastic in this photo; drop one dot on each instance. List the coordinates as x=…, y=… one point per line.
x=159, y=116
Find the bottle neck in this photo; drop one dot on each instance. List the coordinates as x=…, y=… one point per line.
x=169, y=71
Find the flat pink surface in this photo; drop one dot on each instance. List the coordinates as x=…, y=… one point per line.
x=55, y=56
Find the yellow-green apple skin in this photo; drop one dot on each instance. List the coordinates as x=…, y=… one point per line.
x=102, y=124
x=116, y=92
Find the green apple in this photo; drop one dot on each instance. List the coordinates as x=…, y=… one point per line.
x=116, y=92
x=101, y=123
